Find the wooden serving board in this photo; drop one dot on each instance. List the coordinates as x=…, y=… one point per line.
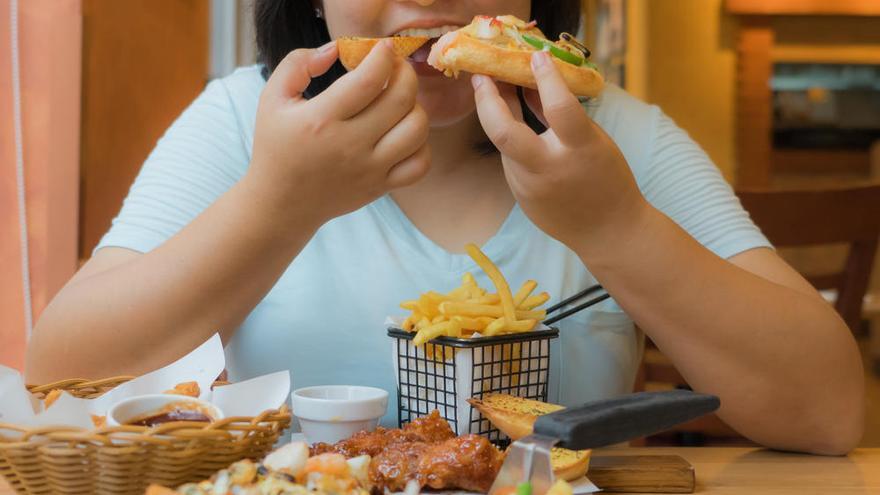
x=642, y=474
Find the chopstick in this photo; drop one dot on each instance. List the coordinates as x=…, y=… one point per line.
x=580, y=307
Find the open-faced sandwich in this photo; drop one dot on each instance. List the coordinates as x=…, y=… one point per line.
x=353, y=50
x=515, y=417
x=502, y=47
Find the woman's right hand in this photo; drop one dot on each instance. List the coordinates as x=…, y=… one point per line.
x=338, y=151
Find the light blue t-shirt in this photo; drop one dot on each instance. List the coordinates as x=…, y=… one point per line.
x=323, y=320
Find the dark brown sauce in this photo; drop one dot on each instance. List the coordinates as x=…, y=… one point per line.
x=174, y=415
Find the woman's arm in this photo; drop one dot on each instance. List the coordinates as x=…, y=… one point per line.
x=749, y=330
x=127, y=313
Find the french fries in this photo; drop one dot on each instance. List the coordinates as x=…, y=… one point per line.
x=469, y=308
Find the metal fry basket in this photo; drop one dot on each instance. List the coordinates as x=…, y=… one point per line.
x=447, y=371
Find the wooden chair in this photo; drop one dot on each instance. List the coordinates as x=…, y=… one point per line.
x=796, y=218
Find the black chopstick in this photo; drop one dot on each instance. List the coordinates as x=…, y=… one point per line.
x=580, y=307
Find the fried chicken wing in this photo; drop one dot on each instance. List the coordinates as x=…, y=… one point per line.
x=431, y=428
x=469, y=462
x=394, y=466
x=425, y=450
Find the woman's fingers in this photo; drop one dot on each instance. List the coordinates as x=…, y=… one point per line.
x=295, y=71
x=411, y=169
x=395, y=103
x=511, y=136
x=403, y=139
x=508, y=94
x=533, y=100
x=561, y=108
x=354, y=91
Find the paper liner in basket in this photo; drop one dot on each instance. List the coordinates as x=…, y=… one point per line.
x=203, y=365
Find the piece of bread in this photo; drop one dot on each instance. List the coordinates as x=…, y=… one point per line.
x=515, y=417
x=352, y=51
x=568, y=464
x=460, y=51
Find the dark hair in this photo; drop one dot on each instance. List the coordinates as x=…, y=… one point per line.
x=285, y=25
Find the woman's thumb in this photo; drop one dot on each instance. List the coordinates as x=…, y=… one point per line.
x=293, y=75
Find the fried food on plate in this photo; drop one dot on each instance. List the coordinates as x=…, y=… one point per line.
x=515, y=417
x=427, y=429
x=469, y=308
x=288, y=470
x=502, y=47
x=189, y=389
x=425, y=451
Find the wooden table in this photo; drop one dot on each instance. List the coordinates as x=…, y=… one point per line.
x=744, y=471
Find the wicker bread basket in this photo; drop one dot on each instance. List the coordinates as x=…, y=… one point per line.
x=125, y=459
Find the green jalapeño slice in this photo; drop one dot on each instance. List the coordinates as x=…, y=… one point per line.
x=557, y=52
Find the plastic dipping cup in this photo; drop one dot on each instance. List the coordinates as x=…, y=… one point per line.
x=330, y=413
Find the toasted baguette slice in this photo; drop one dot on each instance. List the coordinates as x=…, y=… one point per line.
x=352, y=51
x=515, y=417
x=509, y=62
x=570, y=465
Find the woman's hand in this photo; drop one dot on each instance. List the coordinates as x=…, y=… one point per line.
x=336, y=152
x=572, y=180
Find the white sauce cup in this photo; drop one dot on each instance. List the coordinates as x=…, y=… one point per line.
x=330, y=413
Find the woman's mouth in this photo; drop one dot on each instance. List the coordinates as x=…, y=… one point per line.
x=419, y=58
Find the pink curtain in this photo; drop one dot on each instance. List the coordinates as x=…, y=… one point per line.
x=50, y=40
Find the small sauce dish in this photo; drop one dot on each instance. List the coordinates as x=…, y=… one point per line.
x=330, y=413
x=151, y=410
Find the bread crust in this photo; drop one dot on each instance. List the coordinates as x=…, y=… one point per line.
x=515, y=417
x=352, y=51
x=570, y=465
x=511, y=65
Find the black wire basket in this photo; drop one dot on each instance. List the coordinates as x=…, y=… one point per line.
x=445, y=372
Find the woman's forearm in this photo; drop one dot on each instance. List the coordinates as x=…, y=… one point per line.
x=784, y=364
x=146, y=312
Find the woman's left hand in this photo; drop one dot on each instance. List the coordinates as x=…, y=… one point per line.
x=572, y=180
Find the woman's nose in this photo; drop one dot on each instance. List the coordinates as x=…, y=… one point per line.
x=423, y=3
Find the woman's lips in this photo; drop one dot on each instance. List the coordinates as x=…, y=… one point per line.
x=419, y=60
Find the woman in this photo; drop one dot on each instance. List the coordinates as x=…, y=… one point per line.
x=293, y=214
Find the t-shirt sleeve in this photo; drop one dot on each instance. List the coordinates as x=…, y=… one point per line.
x=198, y=158
x=682, y=181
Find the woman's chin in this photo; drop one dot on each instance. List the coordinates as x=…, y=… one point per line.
x=447, y=101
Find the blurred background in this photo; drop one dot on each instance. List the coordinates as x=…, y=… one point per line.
x=784, y=95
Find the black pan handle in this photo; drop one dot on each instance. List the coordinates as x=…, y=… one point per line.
x=610, y=421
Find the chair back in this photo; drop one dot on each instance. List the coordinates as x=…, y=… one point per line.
x=814, y=217
x=789, y=218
